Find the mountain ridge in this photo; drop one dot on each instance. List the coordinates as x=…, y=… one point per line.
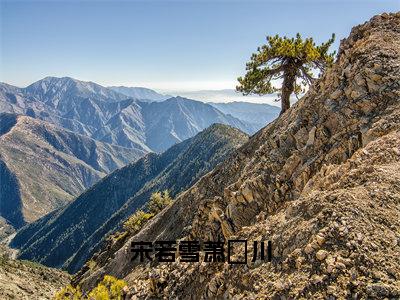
x=105, y=115
x=56, y=88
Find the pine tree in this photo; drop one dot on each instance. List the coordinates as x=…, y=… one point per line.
x=290, y=59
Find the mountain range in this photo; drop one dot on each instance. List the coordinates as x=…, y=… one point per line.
x=257, y=114
x=68, y=237
x=109, y=116
x=43, y=167
x=59, y=136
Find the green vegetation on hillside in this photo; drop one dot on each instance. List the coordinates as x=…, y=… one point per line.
x=132, y=225
x=136, y=221
x=110, y=288
x=158, y=201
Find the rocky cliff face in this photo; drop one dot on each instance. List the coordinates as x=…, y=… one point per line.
x=321, y=182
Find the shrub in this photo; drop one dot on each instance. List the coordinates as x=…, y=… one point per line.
x=69, y=293
x=158, y=201
x=110, y=288
x=136, y=221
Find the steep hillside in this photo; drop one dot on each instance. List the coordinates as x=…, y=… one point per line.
x=259, y=115
x=103, y=114
x=321, y=183
x=70, y=236
x=24, y=280
x=43, y=167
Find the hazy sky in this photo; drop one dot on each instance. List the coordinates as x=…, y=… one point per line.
x=167, y=45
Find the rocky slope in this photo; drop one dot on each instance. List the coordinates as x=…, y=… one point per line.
x=108, y=116
x=70, y=236
x=24, y=280
x=43, y=167
x=321, y=182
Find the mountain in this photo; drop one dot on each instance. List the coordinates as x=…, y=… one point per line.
x=43, y=167
x=108, y=116
x=58, y=92
x=321, y=183
x=140, y=93
x=82, y=107
x=69, y=236
x=176, y=119
x=253, y=113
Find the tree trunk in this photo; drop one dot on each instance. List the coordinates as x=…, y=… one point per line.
x=289, y=79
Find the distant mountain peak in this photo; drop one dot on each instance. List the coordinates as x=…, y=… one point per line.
x=66, y=87
x=67, y=79
x=50, y=81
